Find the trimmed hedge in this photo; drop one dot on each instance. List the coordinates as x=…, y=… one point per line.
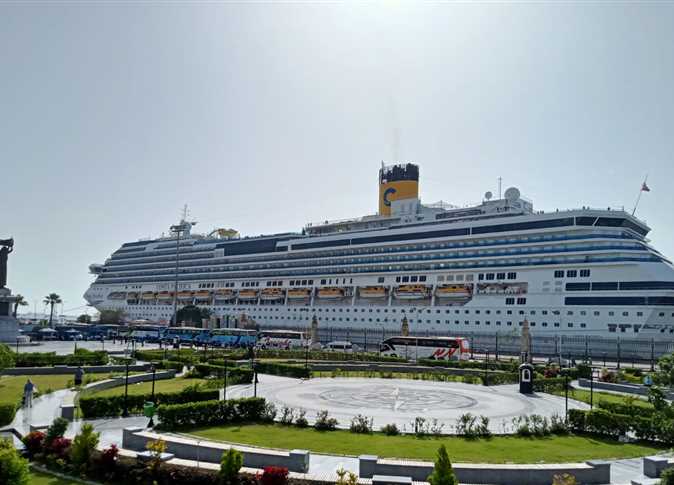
x=549, y=385
x=626, y=409
x=472, y=364
x=211, y=413
x=282, y=370
x=48, y=359
x=104, y=406
x=498, y=378
x=169, y=364
x=655, y=427
x=235, y=375
x=7, y=413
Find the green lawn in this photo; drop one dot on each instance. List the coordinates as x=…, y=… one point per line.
x=11, y=387
x=166, y=385
x=39, y=478
x=584, y=396
x=500, y=449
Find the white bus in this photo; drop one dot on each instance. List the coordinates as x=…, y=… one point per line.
x=281, y=339
x=415, y=348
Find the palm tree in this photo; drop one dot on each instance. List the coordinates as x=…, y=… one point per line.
x=19, y=300
x=51, y=300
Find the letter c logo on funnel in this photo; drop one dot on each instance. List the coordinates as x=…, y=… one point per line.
x=388, y=192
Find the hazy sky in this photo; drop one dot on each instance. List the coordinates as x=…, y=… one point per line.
x=265, y=116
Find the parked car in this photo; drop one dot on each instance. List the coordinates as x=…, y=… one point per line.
x=341, y=346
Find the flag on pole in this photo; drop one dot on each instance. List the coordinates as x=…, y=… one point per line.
x=645, y=188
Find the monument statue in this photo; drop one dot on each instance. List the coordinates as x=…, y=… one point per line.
x=9, y=326
x=6, y=247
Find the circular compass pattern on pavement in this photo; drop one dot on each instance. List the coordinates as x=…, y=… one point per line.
x=394, y=398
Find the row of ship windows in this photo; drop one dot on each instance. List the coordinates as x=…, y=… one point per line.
x=572, y=273
x=569, y=313
x=207, y=253
x=384, y=259
x=419, y=267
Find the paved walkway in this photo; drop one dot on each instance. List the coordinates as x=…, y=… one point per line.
x=322, y=466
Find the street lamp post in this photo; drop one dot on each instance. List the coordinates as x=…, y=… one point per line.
x=566, y=397
x=125, y=414
x=591, y=388
x=154, y=374
x=225, y=388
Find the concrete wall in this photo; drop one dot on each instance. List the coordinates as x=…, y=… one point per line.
x=589, y=473
x=653, y=466
x=134, y=379
x=191, y=449
x=65, y=369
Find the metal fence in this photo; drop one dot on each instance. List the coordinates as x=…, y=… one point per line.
x=597, y=349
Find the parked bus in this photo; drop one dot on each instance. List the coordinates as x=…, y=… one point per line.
x=148, y=333
x=184, y=335
x=281, y=339
x=415, y=348
x=232, y=337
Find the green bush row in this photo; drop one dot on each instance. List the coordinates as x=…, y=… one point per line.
x=626, y=408
x=549, y=385
x=103, y=406
x=282, y=370
x=47, y=359
x=211, y=413
x=170, y=364
x=655, y=427
x=508, y=366
x=7, y=413
x=235, y=375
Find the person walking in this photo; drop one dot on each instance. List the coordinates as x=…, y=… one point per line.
x=28, y=391
x=79, y=375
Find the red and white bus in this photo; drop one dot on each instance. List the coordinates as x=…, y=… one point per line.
x=281, y=339
x=415, y=348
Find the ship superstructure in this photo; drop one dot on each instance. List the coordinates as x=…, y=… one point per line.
x=486, y=267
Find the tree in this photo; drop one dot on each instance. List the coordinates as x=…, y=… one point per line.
x=192, y=314
x=111, y=316
x=83, y=446
x=665, y=374
x=52, y=299
x=13, y=469
x=84, y=318
x=19, y=301
x=6, y=357
x=230, y=464
x=443, y=474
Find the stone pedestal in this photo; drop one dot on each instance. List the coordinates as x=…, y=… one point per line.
x=9, y=326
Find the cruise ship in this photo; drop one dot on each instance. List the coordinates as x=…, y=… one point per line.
x=483, y=268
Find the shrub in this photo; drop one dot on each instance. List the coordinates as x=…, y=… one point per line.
x=213, y=412
x=390, y=429
x=47, y=359
x=324, y=422
x=282, y=370
x=83, y=446
x=583, y=371
x=108, y=458
x=287, y=415
x=34, y=442
x=577, y=420
x=420, y=426
x=564, y=479
x=301, y=420
x=13, y=469
x=269, y=412
x=7, y=357
x=56, y=430
x=7, y=413
x=60, y=447
x=667, y=477
x=103, y=406
x=361, y=424
x=274, y=475
x=346, y=478
x=156, y=449
x=443, y=474
x=472, y=426
x=558, y=425
x=602, y=422
x=230, y=464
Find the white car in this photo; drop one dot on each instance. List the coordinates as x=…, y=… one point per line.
x=341, y=346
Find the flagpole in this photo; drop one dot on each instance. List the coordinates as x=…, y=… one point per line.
x=641, y=190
